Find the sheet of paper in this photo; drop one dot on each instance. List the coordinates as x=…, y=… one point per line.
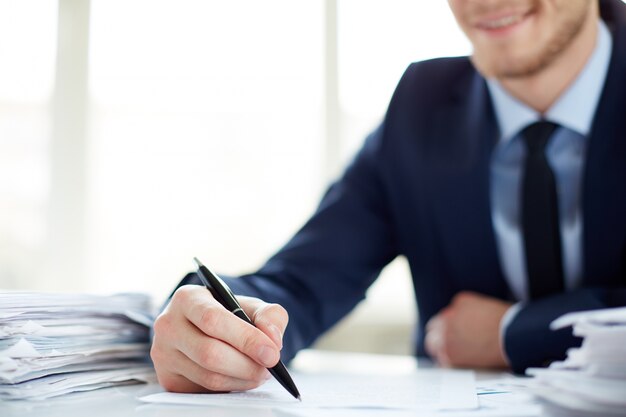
x=500, y=411
x=55, y=343
x=592, y=379
x=55, y=385
x=603, y=317
x=431, y=389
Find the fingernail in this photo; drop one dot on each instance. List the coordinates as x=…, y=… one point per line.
x=277, y=335
x=267, y=356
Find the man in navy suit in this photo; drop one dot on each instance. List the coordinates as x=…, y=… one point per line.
x=501, y=178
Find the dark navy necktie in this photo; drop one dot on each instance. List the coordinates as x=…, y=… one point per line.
x=540, y=215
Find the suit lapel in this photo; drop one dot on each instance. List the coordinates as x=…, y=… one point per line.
x=462, y=190
x=604, y=189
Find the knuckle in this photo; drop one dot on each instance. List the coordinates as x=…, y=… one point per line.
x=278, y=310
x=448, y=314
x=255, y=384
x=430, y=347
x=272, y=314
x=433, y=322
x=209, y=317
x=458, y=297
x=162, y=324
x=257, y=374
x=269, y=310
x=447, y=347
x=167, y=382
x=213, y=381
x=171, y=384
x=281, y=313
x=209, y=356
x=161, y=358
x=444, y=346
x=451, y=359
x=248, y=343
x=443, y=316
x=155, y=354
x=182, y=294
x=463, y=297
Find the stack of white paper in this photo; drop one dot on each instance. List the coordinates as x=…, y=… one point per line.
x=52, y=344
x=592, y=380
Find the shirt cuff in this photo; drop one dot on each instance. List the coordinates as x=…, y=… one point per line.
x=506, y=320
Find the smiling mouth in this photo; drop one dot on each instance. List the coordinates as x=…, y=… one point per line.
x=502, y=22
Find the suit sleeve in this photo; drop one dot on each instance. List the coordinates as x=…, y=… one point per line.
x=528, y=340
x=326, y=268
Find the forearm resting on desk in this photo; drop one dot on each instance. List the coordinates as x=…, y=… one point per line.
x=466, y=333
x=528, y=340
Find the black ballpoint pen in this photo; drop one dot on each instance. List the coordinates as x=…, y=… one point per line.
x=225, y=297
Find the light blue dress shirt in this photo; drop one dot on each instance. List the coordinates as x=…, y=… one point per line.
x=573, y=112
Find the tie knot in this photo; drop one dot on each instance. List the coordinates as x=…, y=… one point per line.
x=536, y=136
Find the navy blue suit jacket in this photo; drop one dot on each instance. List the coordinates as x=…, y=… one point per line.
x=419, y=187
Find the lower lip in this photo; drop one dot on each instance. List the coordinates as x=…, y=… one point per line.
x=505, y=30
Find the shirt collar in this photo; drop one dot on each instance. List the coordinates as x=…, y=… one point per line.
x=574, y=109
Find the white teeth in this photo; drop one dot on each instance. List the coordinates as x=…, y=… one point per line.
x=502, y=22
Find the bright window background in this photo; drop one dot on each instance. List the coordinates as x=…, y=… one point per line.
x=27, y=56
x=204, y=134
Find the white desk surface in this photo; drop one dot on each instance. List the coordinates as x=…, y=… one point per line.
x=122, y=401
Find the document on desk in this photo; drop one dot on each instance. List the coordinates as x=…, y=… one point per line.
x=591, y=381
x=429, y=389
x=52, y=344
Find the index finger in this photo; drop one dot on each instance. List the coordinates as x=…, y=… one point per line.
x=216, y=321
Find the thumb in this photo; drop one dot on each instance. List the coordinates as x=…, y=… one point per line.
x=271, y=319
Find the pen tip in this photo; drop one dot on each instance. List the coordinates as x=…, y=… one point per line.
x=299, y=398
x=197, y=261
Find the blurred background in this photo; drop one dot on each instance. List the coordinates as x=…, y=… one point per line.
x=136, y=134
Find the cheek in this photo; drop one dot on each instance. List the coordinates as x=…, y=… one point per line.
x=454, y=6
x=458, y=9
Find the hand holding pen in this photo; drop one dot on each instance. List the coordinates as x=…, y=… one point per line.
x=225, y=297
x=200, y=346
